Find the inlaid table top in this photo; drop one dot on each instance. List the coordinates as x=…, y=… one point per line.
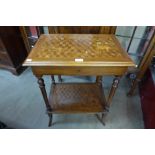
x=78, y=50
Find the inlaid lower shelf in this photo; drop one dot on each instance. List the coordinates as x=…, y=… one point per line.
x=77, y=98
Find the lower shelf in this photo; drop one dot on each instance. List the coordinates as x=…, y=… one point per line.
x=77, y=98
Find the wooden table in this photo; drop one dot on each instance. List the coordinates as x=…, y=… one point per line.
x=78, y=54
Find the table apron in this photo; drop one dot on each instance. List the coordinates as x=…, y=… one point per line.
x=57, y=70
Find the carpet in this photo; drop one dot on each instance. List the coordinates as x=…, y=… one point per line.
x=147, y=96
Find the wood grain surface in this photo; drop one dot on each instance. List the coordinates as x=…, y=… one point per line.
x=78, y=50
x=77, y=97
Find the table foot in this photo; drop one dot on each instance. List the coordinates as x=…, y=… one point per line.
x=50, y=120
x=104, y=114
x=100, y=119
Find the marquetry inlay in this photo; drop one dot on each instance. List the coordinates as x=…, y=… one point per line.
x=69, y=47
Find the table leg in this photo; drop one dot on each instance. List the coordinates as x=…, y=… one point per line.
x=59, y=77
x=112, y=90
x=53, y=80
x=99, y=79
x=133, y=87
x=50, y=119
x=111, y=94
x=100, y=119
x=44, y=94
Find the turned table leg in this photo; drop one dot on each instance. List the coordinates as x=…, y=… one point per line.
x=59, y=78
x=112, y=90
x=101, y=119
x=99, y=79
x=133, y=87
x=44, y=94
x=111, y=94
x=50, y=119
x=53, y=79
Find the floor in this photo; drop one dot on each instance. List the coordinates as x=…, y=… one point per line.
x=21, y=105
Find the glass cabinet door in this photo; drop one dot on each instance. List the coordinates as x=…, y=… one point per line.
x=135, y=40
